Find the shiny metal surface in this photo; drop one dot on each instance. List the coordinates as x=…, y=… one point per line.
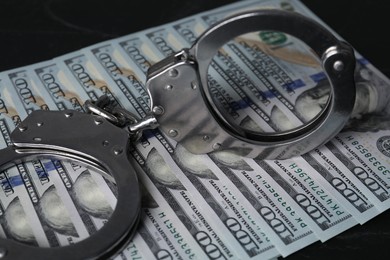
x=95, y=142
x=190, y=111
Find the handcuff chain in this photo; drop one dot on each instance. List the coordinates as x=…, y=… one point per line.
x=120, y=117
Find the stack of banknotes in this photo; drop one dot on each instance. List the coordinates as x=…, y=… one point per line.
x=210, y=206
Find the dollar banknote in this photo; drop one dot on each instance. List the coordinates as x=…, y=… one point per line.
x=365, y=156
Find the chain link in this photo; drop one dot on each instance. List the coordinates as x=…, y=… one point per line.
x=118, y=116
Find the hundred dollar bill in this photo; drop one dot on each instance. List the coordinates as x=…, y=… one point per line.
x=77, y=68
x=365, y=157
x=176, y=204
x=18, y=200
x=140, y=53
x=94, y=79
x=121, y=72
x=216, y=216
x=289, y=225
x=31, y=97
x=278, y=207
x=353, y=198
x=296, y=179
x=62, y=91
x=221, y=182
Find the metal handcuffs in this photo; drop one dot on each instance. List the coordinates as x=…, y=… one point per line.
x=187, y=114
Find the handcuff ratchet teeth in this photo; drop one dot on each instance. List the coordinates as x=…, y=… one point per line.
x=183, y=109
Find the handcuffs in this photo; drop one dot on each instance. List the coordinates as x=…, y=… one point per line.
x=183, y=109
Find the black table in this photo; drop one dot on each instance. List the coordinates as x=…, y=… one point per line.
x=33, y=31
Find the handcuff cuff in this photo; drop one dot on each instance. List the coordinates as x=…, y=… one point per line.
x=183, y=109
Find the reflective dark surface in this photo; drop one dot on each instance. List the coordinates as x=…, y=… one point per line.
x=33, y=31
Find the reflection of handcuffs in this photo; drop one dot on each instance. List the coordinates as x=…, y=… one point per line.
x=178, y=89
